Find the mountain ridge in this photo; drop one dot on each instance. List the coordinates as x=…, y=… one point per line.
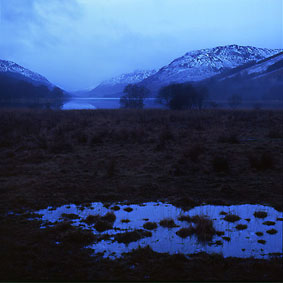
x=115, y=85
x=198, y=65
x=10, y=67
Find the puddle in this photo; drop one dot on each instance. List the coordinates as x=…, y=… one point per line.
x=246, y=237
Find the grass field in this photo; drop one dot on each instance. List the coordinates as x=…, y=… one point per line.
x=51, y=158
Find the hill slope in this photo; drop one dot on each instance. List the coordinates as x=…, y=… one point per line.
x=260, y=80
x=15, y=70
x=20, y=87
x=115, y=86
x=199, y=65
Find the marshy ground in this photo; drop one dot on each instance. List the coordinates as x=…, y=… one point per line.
x=54, y=158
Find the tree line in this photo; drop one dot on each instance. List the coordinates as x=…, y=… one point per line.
x=177, y=96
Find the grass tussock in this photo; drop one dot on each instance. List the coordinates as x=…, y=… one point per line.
x=150, y=225
x=185, y=232
x=101, y=223
x=260, y=214
x=132, y=236
x=272, y=231
x=168, y=223
x=241, y=226
x=268, y=223
x=204, y=228
x=232, y=218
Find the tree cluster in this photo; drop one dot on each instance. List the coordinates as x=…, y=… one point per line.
x=134, y=96
x=184, y=96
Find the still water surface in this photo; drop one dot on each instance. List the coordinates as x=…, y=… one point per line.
x=102, y=103
x=242, y=243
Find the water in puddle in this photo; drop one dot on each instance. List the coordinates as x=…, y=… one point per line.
x=236, y=243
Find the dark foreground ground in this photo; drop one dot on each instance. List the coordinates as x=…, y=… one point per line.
x=185, y=158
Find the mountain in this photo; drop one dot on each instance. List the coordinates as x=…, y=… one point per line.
x=114, y=87
x=198, y=65
x=14, y=70
x=20, y=87
x=256, y=80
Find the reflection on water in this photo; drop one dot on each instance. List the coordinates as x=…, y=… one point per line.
x=77, y=105
x=233, y=242
x=102, y=103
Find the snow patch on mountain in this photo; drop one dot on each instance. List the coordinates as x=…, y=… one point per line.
x=9, y=66
x=129, y=78
x=201, y=64
x=114, y=87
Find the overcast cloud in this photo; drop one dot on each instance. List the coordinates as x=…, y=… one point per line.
x=78, y=43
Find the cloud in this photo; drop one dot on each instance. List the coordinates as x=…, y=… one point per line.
x=31, y=22
x=78, y=43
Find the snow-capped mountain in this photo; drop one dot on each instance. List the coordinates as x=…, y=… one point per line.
x=15, y=69
x=201, y=64
x=262, y=79
x=115, y=86
x=262, y=68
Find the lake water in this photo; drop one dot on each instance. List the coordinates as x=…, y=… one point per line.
x=258, y=237
x=102, y=103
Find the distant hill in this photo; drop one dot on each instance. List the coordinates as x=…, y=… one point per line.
x=114, y=87
x=20, y=87
x=22, y=73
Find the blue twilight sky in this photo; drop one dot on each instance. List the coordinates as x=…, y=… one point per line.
x=78, y=43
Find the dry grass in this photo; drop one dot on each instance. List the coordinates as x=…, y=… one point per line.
x=51, y=158
x=112, y=155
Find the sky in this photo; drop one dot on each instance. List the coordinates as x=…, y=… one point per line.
x=76, y=44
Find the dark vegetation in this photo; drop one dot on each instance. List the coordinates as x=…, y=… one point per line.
x=232, y=218
x=168, y=223
x=272, y=231
x=19, y=93
x=50, y=157
x=182, y=96
x=101, y=223
x=132, y=236
x=150, y=225
x=260, y=214
x=128, y=209
x=134, y=96
x=53, y=158
x=268, y=223
x=203, y=228
x=186, y=232
x=241, y=226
